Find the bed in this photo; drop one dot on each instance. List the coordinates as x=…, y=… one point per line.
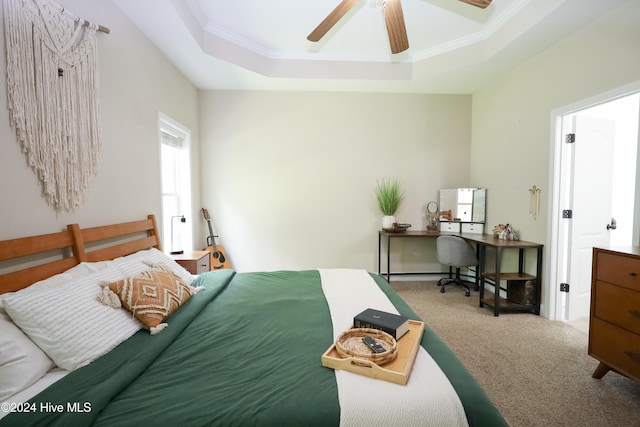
x=243, y=349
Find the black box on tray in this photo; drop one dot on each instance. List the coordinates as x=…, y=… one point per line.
x=393, y=324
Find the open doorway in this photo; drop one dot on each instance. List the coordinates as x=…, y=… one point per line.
x=594, y=195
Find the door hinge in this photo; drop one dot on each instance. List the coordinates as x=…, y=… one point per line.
x=567, y=213
x=564, y=287
x=570, y=138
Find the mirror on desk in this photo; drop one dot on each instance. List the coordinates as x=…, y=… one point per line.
x=463, y=204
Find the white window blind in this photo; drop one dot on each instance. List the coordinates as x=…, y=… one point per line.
x=171, y=139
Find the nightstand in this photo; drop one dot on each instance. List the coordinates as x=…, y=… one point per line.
x=196, y=262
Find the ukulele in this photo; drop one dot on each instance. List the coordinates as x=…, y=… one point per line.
x=216, y=251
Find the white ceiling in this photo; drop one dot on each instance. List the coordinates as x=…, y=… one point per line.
x=261, y=45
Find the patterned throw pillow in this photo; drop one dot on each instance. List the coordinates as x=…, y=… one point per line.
x=153, y=295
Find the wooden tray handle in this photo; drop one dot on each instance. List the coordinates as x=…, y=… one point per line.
x=355, y=364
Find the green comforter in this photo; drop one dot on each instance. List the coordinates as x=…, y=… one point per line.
x=244, y=351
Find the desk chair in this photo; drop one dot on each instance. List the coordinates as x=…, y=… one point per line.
x=455, y=252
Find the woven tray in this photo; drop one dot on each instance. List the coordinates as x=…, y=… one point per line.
x=396, y=371
x=350, y=344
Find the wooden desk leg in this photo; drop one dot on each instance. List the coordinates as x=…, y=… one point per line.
x=388, y=259
x=496, y=304
x=379, y=252
x=521, y=260
x=482, y=249
x=477, y=281
x=539, y=281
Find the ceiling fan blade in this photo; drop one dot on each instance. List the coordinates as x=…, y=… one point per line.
x=395, y=26
x=479, y=3
x=331, y=19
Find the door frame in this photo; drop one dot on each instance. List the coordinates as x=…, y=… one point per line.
x=557, y=236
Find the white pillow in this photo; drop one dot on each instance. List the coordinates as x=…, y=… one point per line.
x=22, y=363
x=136, y=263
x=76, y=272
x=25, y=356
x=68, y=322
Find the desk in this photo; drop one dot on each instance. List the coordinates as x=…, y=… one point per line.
x=403, y=235
x=482, y=242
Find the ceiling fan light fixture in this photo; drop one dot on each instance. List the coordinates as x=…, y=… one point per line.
x=396, y=30
x=482, y=4
x=331, y=20
x=393, y=18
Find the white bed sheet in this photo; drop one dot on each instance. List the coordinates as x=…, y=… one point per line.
x=49, y=378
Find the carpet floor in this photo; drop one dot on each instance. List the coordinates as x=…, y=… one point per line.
x=536, y=371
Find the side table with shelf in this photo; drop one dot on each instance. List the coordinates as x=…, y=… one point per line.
x=523, y=291
x=195, y=262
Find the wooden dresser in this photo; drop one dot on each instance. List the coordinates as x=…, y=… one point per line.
x=614, y=330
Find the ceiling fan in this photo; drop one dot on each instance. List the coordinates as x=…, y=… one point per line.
x=393, y=17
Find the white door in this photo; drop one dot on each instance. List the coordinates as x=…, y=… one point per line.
x=621, y=107
x=591, y=201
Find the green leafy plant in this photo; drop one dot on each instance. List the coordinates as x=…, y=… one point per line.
x=389, y=196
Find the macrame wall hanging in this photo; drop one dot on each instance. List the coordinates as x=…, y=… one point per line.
x=52, y=96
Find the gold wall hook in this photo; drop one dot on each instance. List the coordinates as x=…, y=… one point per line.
x=534, y=201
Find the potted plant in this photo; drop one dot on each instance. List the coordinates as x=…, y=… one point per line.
x=389, y=197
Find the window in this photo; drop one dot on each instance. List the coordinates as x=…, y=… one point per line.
x=177, y=223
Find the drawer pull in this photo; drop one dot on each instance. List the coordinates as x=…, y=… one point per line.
x=634, y=313
x=633, y=274
x=634, y=356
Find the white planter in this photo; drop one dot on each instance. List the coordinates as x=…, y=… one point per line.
x=388, y=221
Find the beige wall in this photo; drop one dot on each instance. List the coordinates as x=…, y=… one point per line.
x=136, y=83
x=511, y=130
x=289, y=177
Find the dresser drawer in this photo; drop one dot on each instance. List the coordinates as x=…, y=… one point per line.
x=195, y=262
x=618, y=269
x=616, y=347
x=452, y=227
x=473, y=227
x=204, y=264
x=618, y=305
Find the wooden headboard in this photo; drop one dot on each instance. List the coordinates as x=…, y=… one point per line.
x=34, y=258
